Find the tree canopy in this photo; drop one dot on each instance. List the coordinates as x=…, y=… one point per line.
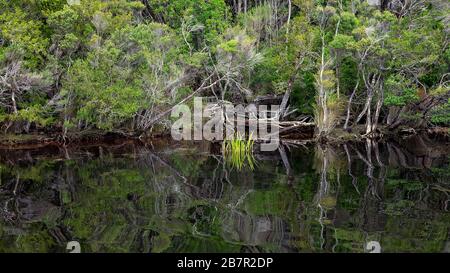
x=117, y=65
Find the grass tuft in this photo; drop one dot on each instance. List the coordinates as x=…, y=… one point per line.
x=238, y=152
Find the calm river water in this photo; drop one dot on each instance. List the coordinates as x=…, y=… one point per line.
x=184, y=197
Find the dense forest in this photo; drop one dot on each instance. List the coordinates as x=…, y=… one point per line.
x=69, y=67
x=87, y=89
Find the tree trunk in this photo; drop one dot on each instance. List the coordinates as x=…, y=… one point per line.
x=378, y=109
x=13, y=100
x=288, y=20
x=322, y=103
x=350, y=100
x=369, y=114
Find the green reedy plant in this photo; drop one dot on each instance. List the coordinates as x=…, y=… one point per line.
x=238, y=152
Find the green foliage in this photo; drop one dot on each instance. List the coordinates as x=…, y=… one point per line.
x=115, y=64
x=229, y=46
x=24, y=33
x=347, y=79
x=399, y=91
x=441, y=114
x=408, y=95
x=342, y=41
x=115, y=80
x=34, y=114
x=103, y=103
x=303, y=93
x=349, y=22
x=209, y=14
x=238, y=152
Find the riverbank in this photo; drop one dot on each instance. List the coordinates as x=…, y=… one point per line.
x=357, y=133
x=337, y=136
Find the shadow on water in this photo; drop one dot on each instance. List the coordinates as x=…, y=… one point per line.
x=184, y=197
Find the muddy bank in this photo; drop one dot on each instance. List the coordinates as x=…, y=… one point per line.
x=37, y=139
x=357, y=134
x=416, y=150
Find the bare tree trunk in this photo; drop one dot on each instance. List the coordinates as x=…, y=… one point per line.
x=378, y=109
x=288, y=20
x=285, y=160
x=369, y=114
x=284, y=102
x=392, y=115
x=13, y=100
x=322, y=99
x=350, y=100
x=371, y=82
x=363, y=112
x=275, y=5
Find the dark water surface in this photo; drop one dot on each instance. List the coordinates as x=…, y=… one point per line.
x=183, y=197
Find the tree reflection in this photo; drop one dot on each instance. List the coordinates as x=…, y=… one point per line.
x=184, y=198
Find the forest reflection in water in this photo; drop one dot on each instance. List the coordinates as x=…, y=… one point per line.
x=183, y=197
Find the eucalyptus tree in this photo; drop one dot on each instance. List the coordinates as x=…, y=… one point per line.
x=327, y=102
x=372, y=55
